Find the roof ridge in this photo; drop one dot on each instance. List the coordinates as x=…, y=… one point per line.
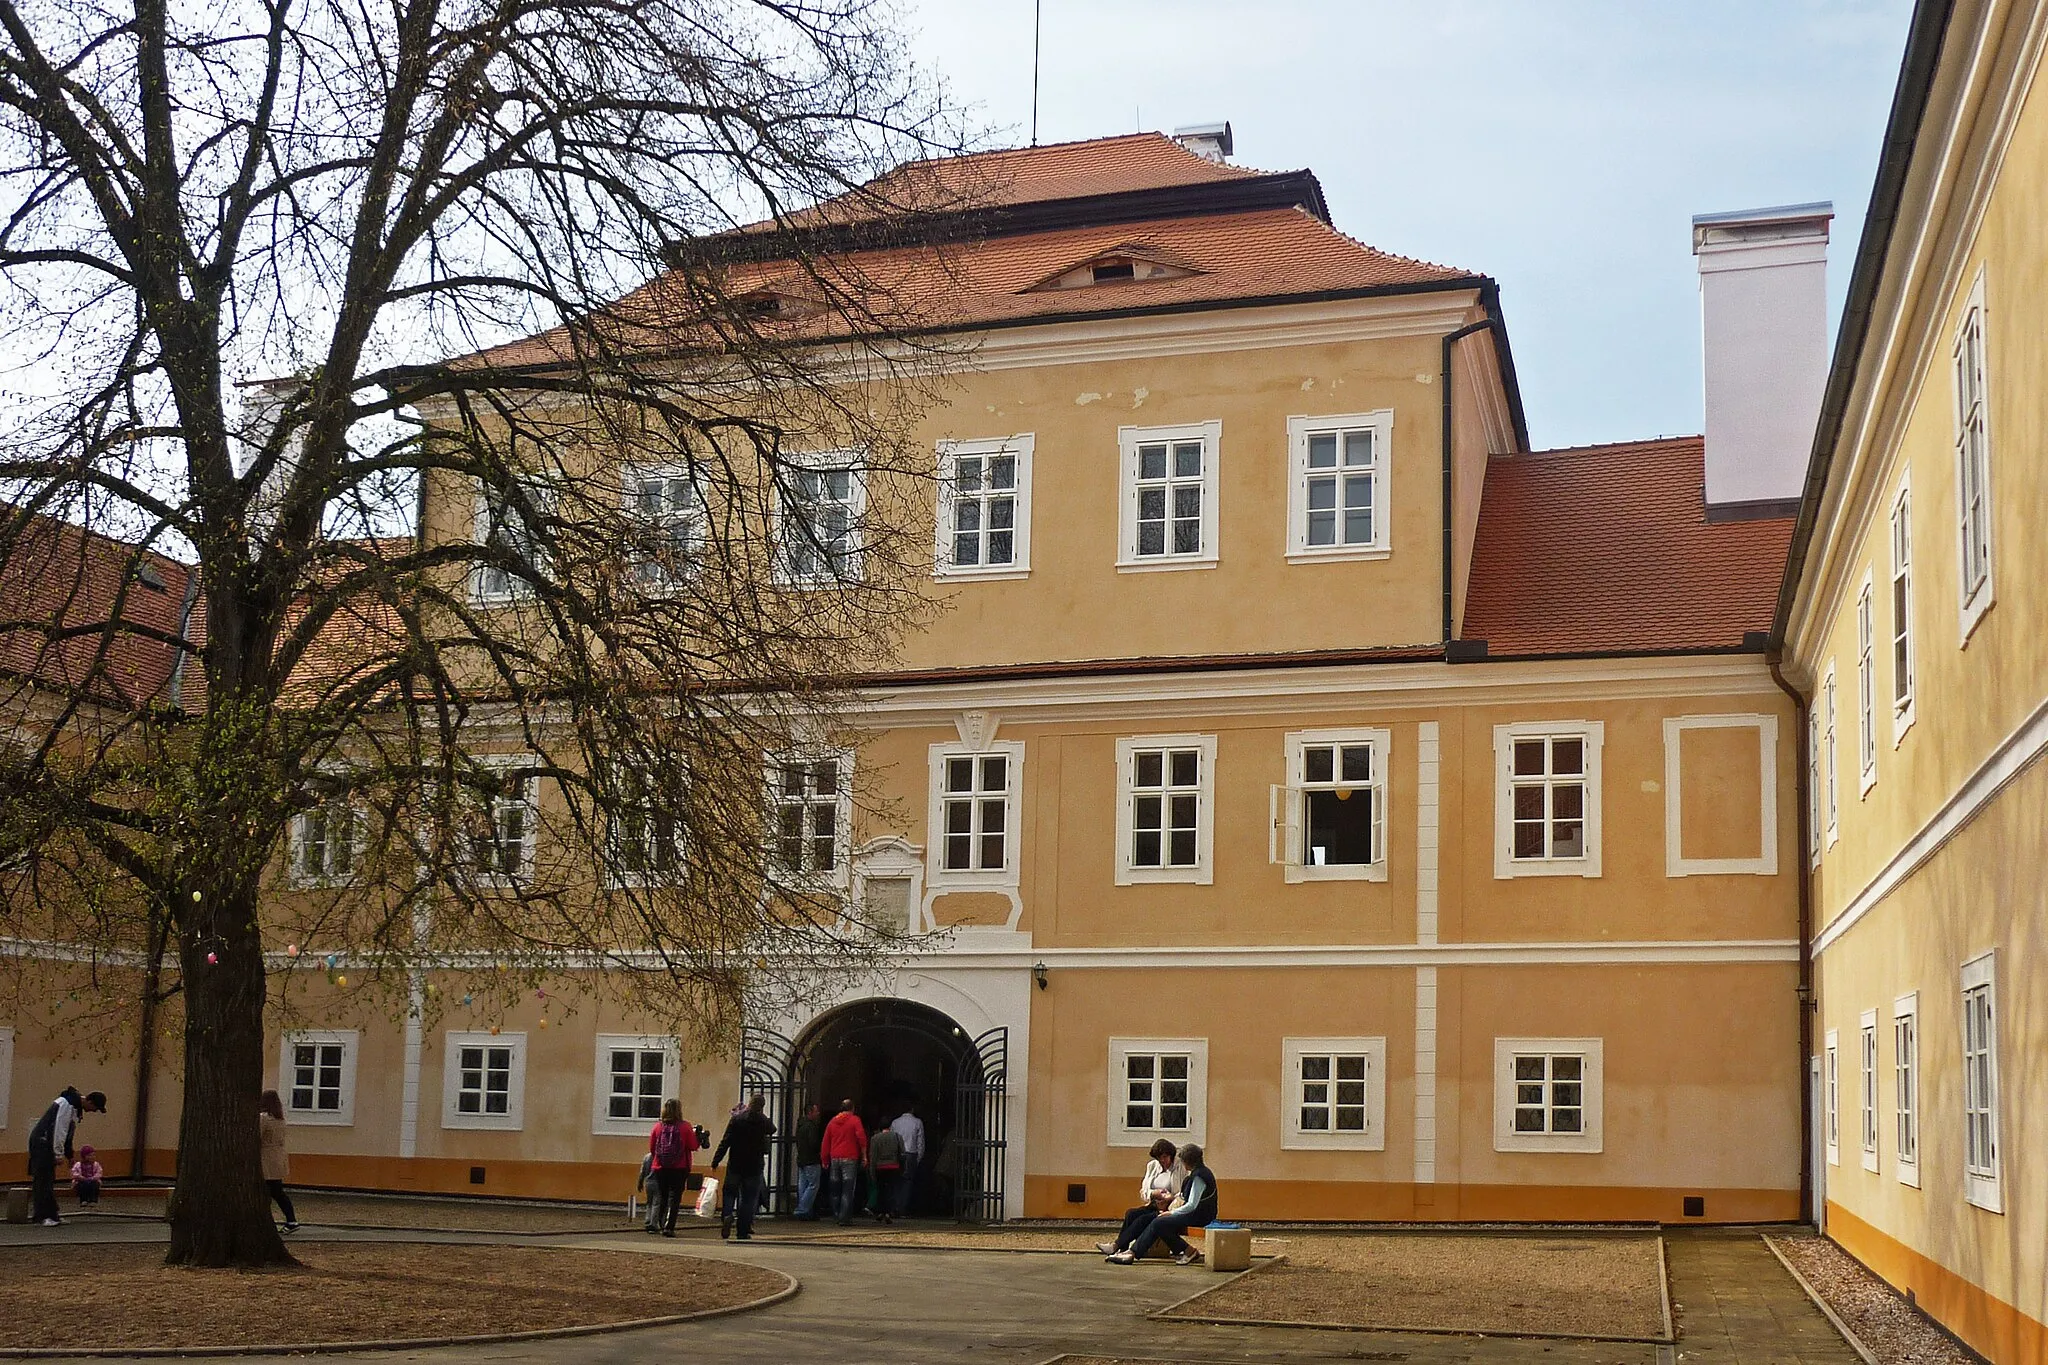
x=1364, y=245
x=1597, y=446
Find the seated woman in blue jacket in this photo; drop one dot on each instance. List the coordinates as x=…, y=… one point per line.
x=1197, y=1209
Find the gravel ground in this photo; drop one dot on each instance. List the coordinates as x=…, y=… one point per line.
x=1895, y=1331
x=123, y=1295
x=462, y=1215
x=1074, y=1238
x=1580, y=1286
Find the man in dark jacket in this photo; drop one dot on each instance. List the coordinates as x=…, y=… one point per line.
x=810, y=1165
x=54, y=1132
x=746, y=1139
x=1197, y=1210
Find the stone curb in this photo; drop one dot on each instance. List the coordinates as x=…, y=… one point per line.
x=1664, y=1292
x=1160, y=1314
x=591, y=1329
x=1855, y=1342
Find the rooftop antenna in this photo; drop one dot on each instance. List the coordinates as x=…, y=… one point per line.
x=1037, y=15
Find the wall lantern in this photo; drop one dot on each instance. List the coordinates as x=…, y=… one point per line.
x=1038, y=974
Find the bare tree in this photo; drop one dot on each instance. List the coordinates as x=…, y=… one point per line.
x=648, y=582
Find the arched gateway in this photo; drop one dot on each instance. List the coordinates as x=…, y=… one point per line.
x=887, y=1055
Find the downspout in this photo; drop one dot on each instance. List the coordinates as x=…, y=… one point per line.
x=1451, y=340
x=1803, y=783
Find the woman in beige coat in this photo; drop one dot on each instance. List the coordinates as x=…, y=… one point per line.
x=277, y=1164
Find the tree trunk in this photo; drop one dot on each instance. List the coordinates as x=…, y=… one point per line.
x=221, y=1211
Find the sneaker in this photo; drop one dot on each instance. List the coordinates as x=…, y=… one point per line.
x=1188, y=1257
x=1123, y=1257
x=291, y=1227
x=53, y=1222
x=1106, y=1248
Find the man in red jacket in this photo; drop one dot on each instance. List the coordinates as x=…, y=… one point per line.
x=845, y=1144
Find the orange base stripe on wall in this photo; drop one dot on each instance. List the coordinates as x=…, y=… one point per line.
x=1307, y=1201
x=1986, y=1323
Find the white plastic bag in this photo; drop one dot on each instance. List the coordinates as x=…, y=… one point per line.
x=707, y=1198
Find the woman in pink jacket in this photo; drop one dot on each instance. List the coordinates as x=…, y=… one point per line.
x=670, y=1145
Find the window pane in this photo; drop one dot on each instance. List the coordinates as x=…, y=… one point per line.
x=1528, y=1120
x=1002, y=548
x=1315, y=1120
x=1146, y=812
x=1182, y=847
x=1566, y=1068
x=995, y=774
x=1528, y=803
x=1528, y=758
x=1173, y=1068
x=1173, y=1116
x=1567, y=756
x=1187, y=459
x=1187, y=766
x=1138, y=1066
x=1002, y=514
x=1145, y=848
x=1358, y=447
x=1318, y=764
x=959, y=774
x=1357, y=763
x=1152, y=462
x=1002, y=472
x=1351, y=1068
x=1315, y=1068
x=967, y=515
x=1528, y=1068
x=1138, y=1116
x=1322, y=495
x=967, y=473
x=1322, y=451
x=1151, y=538
x=1146, y=767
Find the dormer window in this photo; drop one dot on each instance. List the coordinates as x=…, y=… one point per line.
x=1128, y=264
x=768, y=304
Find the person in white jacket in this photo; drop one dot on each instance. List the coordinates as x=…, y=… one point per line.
x=1156, y=1194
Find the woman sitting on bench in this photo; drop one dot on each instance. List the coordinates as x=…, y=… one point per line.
x=1197, y=1209
x=1158, y=1189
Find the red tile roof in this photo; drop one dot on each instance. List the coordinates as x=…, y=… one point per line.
x=1607, y=549
x=87, y=612
x=1269, y=253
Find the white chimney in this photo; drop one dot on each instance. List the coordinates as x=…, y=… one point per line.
x=1764, y=323
x=1210, y=141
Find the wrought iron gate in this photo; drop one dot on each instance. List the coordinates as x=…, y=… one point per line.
x=981, y=1131
x=765, y=1067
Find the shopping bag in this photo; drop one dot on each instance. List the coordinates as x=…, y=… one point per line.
x=707, y=1198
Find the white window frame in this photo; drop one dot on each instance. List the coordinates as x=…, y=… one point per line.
x=1299, y=429
x=1288, y=815
x=1982, y=1179
x=6, y=1073
x=937, y=875
x=350, y=1043
x=688, y=538
x=1906, y=1088
x=1019, y=446
x=514, y=589
x=1197, y=1052
x=1293, y=1137
x=602, y=1124
x=1866, y=1058
x=1592, y=1082
x=1902, y=660
x=452, y=1044
x=802, y=879
x=616, y=872
x=1202, y=873
x=1816, y=829
x=853, y=462
x=1832, y=795
x=1831, y=1099
x=529, y=827
x=300, y=833
x=1505, y=864
x=1128, y=560
x=1972, y=424
x=1765, y=864
x=1866, y=688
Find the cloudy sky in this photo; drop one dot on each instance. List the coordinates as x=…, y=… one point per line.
x=1560, y=146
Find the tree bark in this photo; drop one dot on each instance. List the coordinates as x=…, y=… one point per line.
x=221, y=1211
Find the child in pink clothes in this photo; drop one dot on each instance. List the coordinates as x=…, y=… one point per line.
x=85, y=1178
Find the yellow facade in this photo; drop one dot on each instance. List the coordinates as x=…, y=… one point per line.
x=1926, y=885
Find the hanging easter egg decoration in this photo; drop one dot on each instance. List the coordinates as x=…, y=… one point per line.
x=341, y=981
x=333, y=960
x=543, y=1021
x=195, y=896
x=467, y=997
x=432, y=990
x=494, y=1030
x=540, y=995
x=291, y=950
x=213, y=959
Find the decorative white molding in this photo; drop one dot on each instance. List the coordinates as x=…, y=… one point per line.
x=977, y=728
x=1425, y=1075
x=1676, y=864
x=1428, y=831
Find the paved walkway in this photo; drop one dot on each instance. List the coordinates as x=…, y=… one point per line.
x=911, y=1307
x=1735, y=1305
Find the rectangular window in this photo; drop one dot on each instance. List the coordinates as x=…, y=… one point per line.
x=1165, y=785
x=325, y=835
x=511, y=541
x=1547, y=801
x=1158, y=1088
x=1902, y=613
x=667, y=515
x=1337, y=496
x=985, y=508
x=1547, y=1094
x=1980, y=1084
x=317, y=1076
x=635, y=1074
x=1329, y=820
x=812, y=800
x=1334, y=1093
x=974, y=814
x=502, y=821
x=1169, y=496
x=1906, y=1086
x=1815, y=828
x=645, y=832
x=1831, y=1082
x=1867, y=1055
x=484, y=1081
x=1827, y=755
x=1973, y=463
x=822, y=504
x=1866, y=690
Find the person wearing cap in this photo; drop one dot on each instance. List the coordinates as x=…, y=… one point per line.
x=52, y=1133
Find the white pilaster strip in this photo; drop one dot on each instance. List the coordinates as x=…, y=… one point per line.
x=1425, y=1075
x=409, y=1110
x=1428, y=829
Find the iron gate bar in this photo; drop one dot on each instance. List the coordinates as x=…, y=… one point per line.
x=765, y=1067
x=981, y=1132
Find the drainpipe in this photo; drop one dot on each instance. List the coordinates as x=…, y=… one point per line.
x=1804, y=864
x=1451, y=340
